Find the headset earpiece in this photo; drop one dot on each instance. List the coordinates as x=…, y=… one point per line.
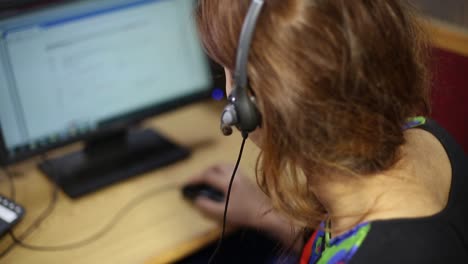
x=241, y=110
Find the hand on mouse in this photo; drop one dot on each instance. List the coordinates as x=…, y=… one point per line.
x=247, y=202
x=248, y=205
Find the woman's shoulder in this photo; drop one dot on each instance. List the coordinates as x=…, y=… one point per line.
x=439, y=238
x=412, y=241
x=458, y=169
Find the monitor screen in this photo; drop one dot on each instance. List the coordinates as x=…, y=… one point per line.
x=73, y=70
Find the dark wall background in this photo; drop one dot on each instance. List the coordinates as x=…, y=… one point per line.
x=452, y=11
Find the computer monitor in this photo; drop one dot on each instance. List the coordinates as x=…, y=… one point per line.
x=90, y=70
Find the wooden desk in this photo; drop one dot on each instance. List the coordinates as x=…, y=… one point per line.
x=161, y=229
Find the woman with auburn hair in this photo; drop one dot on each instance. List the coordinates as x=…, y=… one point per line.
x=349, y=159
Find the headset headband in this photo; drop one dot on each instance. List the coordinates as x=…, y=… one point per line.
x=240, y=74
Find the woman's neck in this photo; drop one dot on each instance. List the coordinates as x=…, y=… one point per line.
x=405, y=191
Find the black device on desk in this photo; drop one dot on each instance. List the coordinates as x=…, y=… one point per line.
x=10, y=214
x=92, y=70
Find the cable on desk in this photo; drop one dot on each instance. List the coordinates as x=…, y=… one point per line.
x=41, y=218
x=35, y=225
x=38, y=221
x=117, y=217
x=19, y=240
x=239, y=158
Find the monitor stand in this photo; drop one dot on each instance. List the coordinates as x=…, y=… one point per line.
x=110, y=159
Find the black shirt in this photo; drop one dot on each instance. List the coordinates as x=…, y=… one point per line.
x=441, y=238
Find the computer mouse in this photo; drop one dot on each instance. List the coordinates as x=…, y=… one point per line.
x=192, y=191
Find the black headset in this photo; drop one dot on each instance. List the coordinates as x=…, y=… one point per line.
x=241, y=110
